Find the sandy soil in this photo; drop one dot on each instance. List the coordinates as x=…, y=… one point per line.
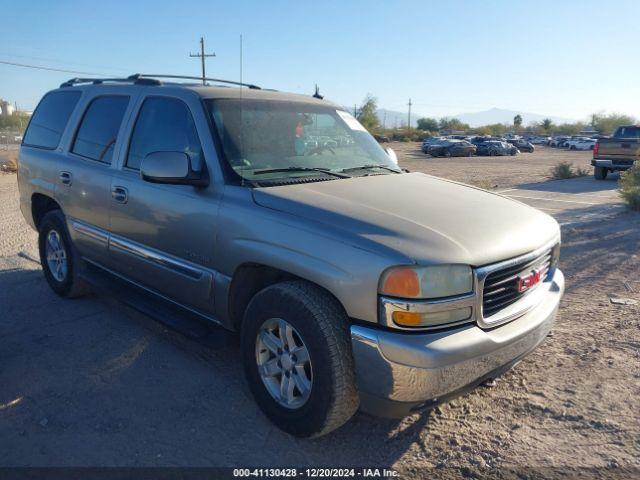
x=491, y=172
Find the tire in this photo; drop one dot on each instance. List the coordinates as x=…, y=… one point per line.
x=61, y=270
x=321, y=325
x=572, y=147
x=600, y=173
x=447, y=153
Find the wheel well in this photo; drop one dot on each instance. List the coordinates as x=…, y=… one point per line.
x=248, y=280
x=41, y=204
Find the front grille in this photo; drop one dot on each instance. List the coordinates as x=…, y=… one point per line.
x=501, y=287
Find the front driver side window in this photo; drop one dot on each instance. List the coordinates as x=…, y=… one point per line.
x=164, y=125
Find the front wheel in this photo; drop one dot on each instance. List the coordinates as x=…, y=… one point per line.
x=600, y=173
x=296, y=350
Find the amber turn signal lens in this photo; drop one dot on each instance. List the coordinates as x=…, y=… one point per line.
x=407, y=319
x=402, y=282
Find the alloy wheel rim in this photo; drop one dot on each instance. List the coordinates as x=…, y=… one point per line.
x=56, y=256
x=283, y=363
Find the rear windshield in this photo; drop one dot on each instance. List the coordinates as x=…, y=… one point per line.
x=627, y=132
x=50, y=119
x=261, y=135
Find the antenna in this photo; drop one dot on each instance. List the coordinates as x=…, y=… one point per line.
x=317, y=93
x=202, y=56
x=241, y=120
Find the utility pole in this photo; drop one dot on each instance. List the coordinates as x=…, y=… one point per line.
x=202, y=56
x=409, y=116
x=355, y=110
x=384, y=120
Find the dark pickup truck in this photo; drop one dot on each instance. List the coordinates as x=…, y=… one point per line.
x=616, y=153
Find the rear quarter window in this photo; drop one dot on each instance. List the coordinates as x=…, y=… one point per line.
x=50, y=119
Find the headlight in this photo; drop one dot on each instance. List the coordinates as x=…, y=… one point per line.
x=436, y=281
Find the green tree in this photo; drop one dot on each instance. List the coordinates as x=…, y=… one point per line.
x=547, y=125
x=428, y=124
x=517, y=121
x=367, y=113
x=605, y=124
x=452, y=124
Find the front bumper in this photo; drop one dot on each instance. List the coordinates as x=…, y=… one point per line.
x=400, y=373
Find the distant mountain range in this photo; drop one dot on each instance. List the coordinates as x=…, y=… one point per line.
x=391, y=118
x=499, y=115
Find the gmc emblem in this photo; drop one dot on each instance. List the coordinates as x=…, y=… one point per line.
x=527, y=281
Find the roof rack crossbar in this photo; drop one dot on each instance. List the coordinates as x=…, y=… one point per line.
x=185, y=77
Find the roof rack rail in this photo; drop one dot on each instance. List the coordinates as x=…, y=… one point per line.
x=136, y=79
x=185, y=77
x=150, y=79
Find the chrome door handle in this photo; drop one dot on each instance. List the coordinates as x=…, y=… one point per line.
x=65, y=178
x=119, y=194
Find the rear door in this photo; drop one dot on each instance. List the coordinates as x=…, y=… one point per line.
x=85, y=173
x=163, y=236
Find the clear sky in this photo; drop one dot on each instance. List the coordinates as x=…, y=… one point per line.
x=563, y=58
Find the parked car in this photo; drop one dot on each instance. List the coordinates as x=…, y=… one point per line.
x=452, y=148
x=522, y=145
x=581, y=144
x=557, y=141
x=494, y=147
x=427, y=142
x=618, y=153
x=540, y=140
x=350, y=282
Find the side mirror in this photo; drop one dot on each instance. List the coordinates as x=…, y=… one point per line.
x=392, y=155
x=172, y=168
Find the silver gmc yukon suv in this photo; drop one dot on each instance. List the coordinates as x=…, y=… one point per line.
x=352, y=283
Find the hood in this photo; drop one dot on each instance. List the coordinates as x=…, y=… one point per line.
x=424, y=218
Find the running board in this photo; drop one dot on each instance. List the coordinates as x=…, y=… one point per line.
x=203, y=329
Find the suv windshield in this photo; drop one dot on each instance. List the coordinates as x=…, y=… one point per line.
x=270, y=140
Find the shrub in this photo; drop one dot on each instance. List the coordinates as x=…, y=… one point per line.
x=565, y=170
x=630, y=186
x=11, y=163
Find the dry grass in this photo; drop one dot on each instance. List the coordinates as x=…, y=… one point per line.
x=10, y=163
x=564, y=170
x=630, y=187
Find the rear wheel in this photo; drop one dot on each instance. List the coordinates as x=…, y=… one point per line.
x=60, y=263
x=600, y=173
x=296, y=351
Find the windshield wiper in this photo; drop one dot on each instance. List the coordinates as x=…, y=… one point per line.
x=369, y=167
x=302, y=169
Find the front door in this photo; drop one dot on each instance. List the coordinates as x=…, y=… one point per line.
x=163, y=236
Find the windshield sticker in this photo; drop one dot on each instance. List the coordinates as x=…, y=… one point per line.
x=351, y=122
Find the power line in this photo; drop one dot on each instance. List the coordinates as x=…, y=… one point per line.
x=202, y=56
x=51, y=69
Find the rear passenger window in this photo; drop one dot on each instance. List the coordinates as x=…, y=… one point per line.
x=50, y=119
x=164, y=125
x=96, y=137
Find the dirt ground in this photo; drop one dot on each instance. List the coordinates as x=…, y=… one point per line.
x=90, y=382
x=491, y=172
